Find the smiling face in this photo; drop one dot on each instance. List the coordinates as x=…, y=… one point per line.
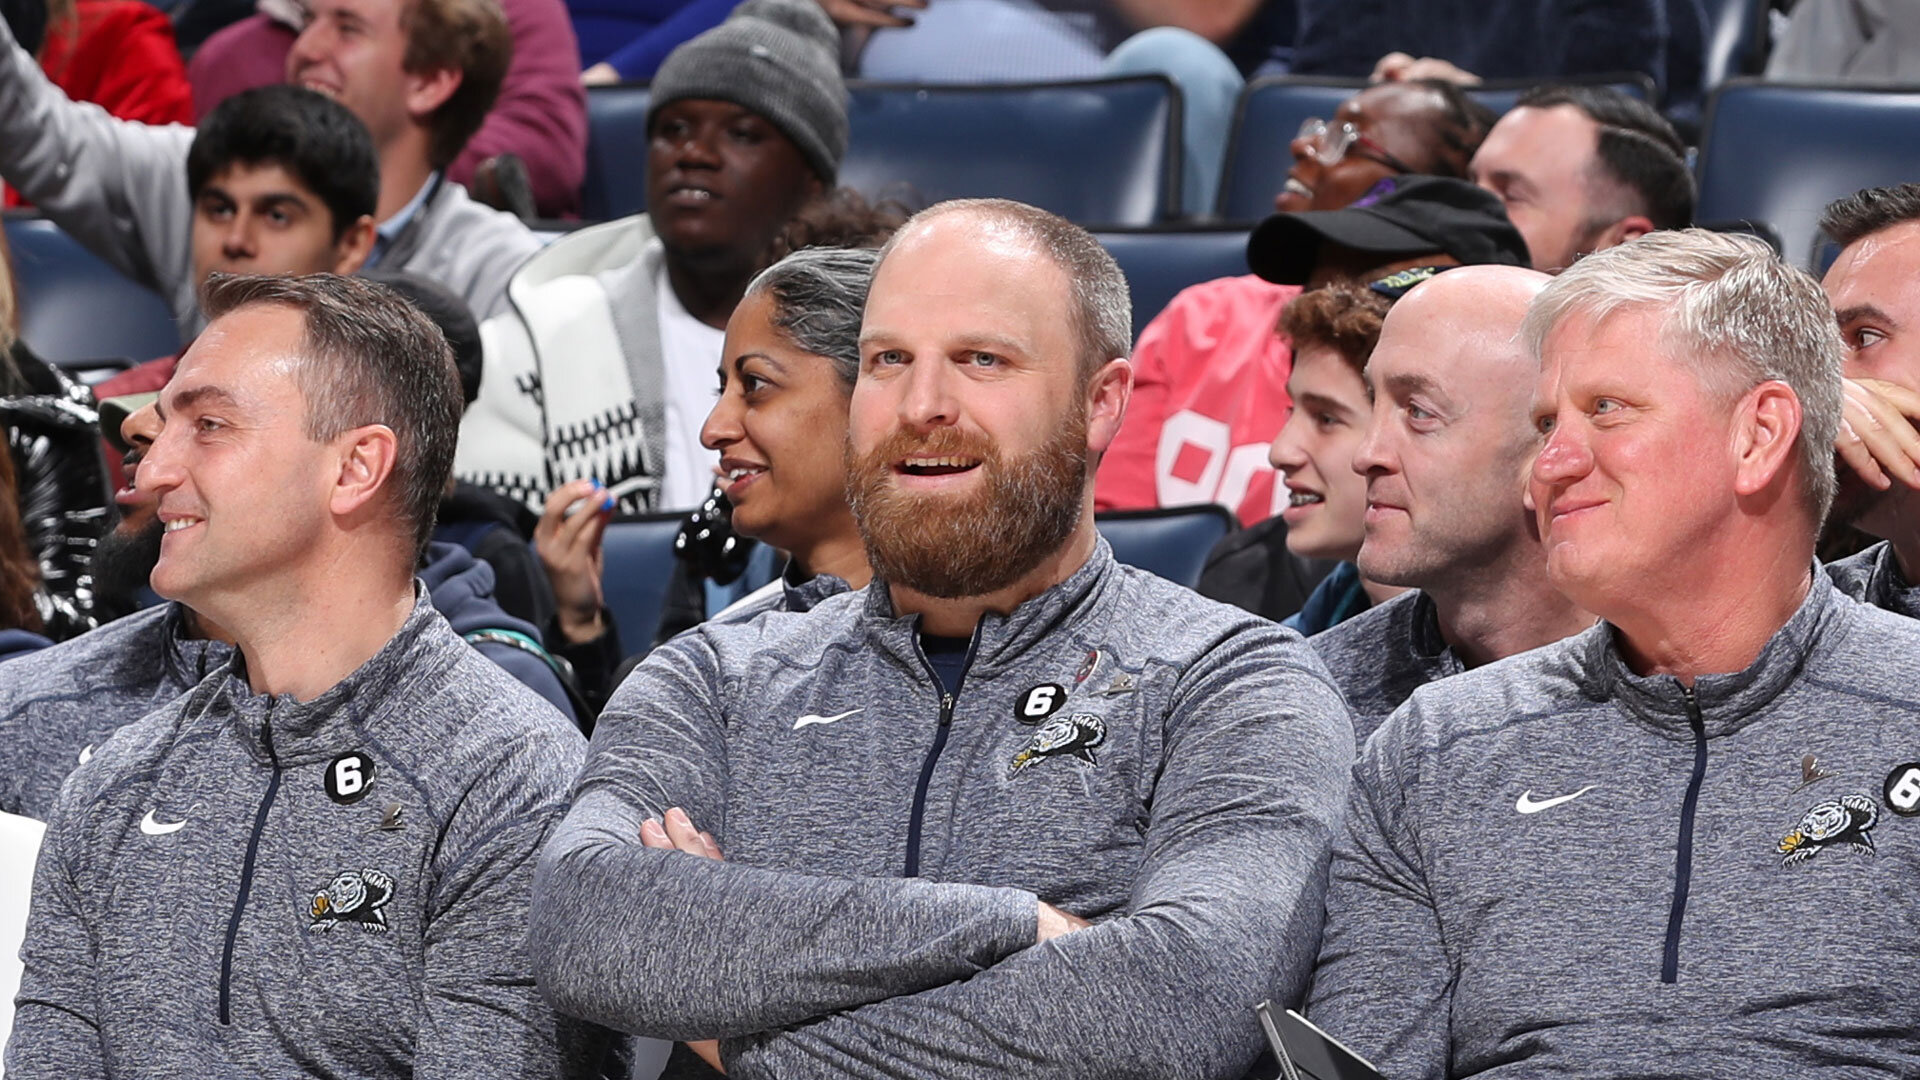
x=1326, y=499
x=241, y=488
x=780, y=428
x=1400, y=117
x=1637, y=474
x=722, y=180
x=1875, y=289
x=352, y=51
x=969, y=443
x=258, y=219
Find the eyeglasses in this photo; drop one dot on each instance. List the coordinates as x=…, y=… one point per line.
x=1327, y=144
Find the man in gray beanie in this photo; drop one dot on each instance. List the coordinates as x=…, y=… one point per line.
x=604, y=371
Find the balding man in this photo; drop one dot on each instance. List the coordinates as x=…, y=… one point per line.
x=1446, y=455
x=926, y=790
x=1681, y=842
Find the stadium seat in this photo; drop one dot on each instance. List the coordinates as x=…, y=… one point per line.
x=616, y=183
x=1103, y=152
x=1159, y=264
x=639, y=563
x=1778, y=153
x=1736, y=39
x=1172, y=542
x=1271, y=109
x=74, y=308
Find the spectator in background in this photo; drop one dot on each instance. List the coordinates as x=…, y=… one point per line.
x=1211, y=370
x=540, y=116
x=604, y=370
x=1582, y=168
x=1448, y=440
x=19, y=578
x=1876, y=42
x=422, y=84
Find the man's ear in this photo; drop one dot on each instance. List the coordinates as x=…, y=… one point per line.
x=428, y=90
x=351, y=250
x=1627, y=228
x=1107, y=396
x=367, y=456
x=1767, y=425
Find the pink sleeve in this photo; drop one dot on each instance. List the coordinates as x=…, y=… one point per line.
x=1125, y=479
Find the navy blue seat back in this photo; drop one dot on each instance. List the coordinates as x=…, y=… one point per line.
x=1271, y=110
x=74, y=307
x=1159, y=264
x=1778, y=154
x=638, y=553
x=1172, y=541
x=1101, y=152
x=1736, y=39
x=616, y=183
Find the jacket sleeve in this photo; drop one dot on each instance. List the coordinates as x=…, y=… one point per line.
x=482, y=1014
x=1384, y=983
x=56, y=1017
x=120, y=188
x=1225, y=912
x=675, y=946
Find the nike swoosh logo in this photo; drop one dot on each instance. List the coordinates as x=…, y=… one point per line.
x=810, y=718
x=155, y=828
x=1527, y=805
x=86, y=753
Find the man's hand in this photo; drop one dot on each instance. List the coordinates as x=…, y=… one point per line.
x=678, y=834
x=601, y=74
x=1877, y=436
x=570, y=551
x=1054, y=922
x=1400, y=67
x=874, y=13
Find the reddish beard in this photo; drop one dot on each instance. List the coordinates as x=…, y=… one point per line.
x=951, y=546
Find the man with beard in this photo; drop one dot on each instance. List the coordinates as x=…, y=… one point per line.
x=1876, y=295
x=1445, y=456
x=1013, y=809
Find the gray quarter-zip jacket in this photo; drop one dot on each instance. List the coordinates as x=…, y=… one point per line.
x=1382, y=655
x=1873, y=577
x=1166, y=766
x=1555, y=867
x=241, y=884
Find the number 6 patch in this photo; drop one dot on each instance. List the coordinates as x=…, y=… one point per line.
x=348, y=777
x=1903, y=789
x=1039, y=703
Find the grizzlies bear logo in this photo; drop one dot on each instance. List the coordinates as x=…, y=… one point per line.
x=1074, y=736
x=356, y=896
x=1847, y=820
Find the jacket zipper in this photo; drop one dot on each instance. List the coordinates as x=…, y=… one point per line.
x=1683, y=856
x=918, y=815
x=246, y=874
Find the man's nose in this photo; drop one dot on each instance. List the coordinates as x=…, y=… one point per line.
x=927, y=399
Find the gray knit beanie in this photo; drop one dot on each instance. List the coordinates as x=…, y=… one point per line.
x=777, y=58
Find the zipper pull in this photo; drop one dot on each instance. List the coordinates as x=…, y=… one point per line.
x=946, y=709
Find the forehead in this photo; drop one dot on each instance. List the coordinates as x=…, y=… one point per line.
x=1624, y=350
x=1391, y=104
x=250, y=353
x=1556, y=141
x=707, y=109
x=1323, y=370
x=253, y=180
x=378, y=12
x=958, y=275
x=1883, y=269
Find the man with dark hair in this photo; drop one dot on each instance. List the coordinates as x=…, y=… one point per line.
x=1582, y=168
x=1210, y=373
x=1445, y=456
x=1013, y=806
x=388, y=787
x=604, y=369
x=420, y=74
x=1872, y=287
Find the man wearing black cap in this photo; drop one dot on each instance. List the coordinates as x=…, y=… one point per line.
x=605, y=369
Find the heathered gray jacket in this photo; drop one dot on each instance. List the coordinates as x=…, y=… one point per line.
x=1383, y=654
x=245, y=885
x=1873, y=577
x=1120, y=747
x=1554, y=867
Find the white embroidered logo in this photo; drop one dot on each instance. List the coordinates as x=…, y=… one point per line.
x=155, y=828
x=810, y=718
x=1527, y=805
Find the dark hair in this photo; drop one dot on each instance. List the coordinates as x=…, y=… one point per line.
x=450, y=313
x=468, y=36
x=19, y=574
x=314, y=138
x=368, y=357
x=1102, y=310
x=1638, y=150
x=841, y=218
x=1868, y=211
x=1464, y=123
x=1344, y=316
